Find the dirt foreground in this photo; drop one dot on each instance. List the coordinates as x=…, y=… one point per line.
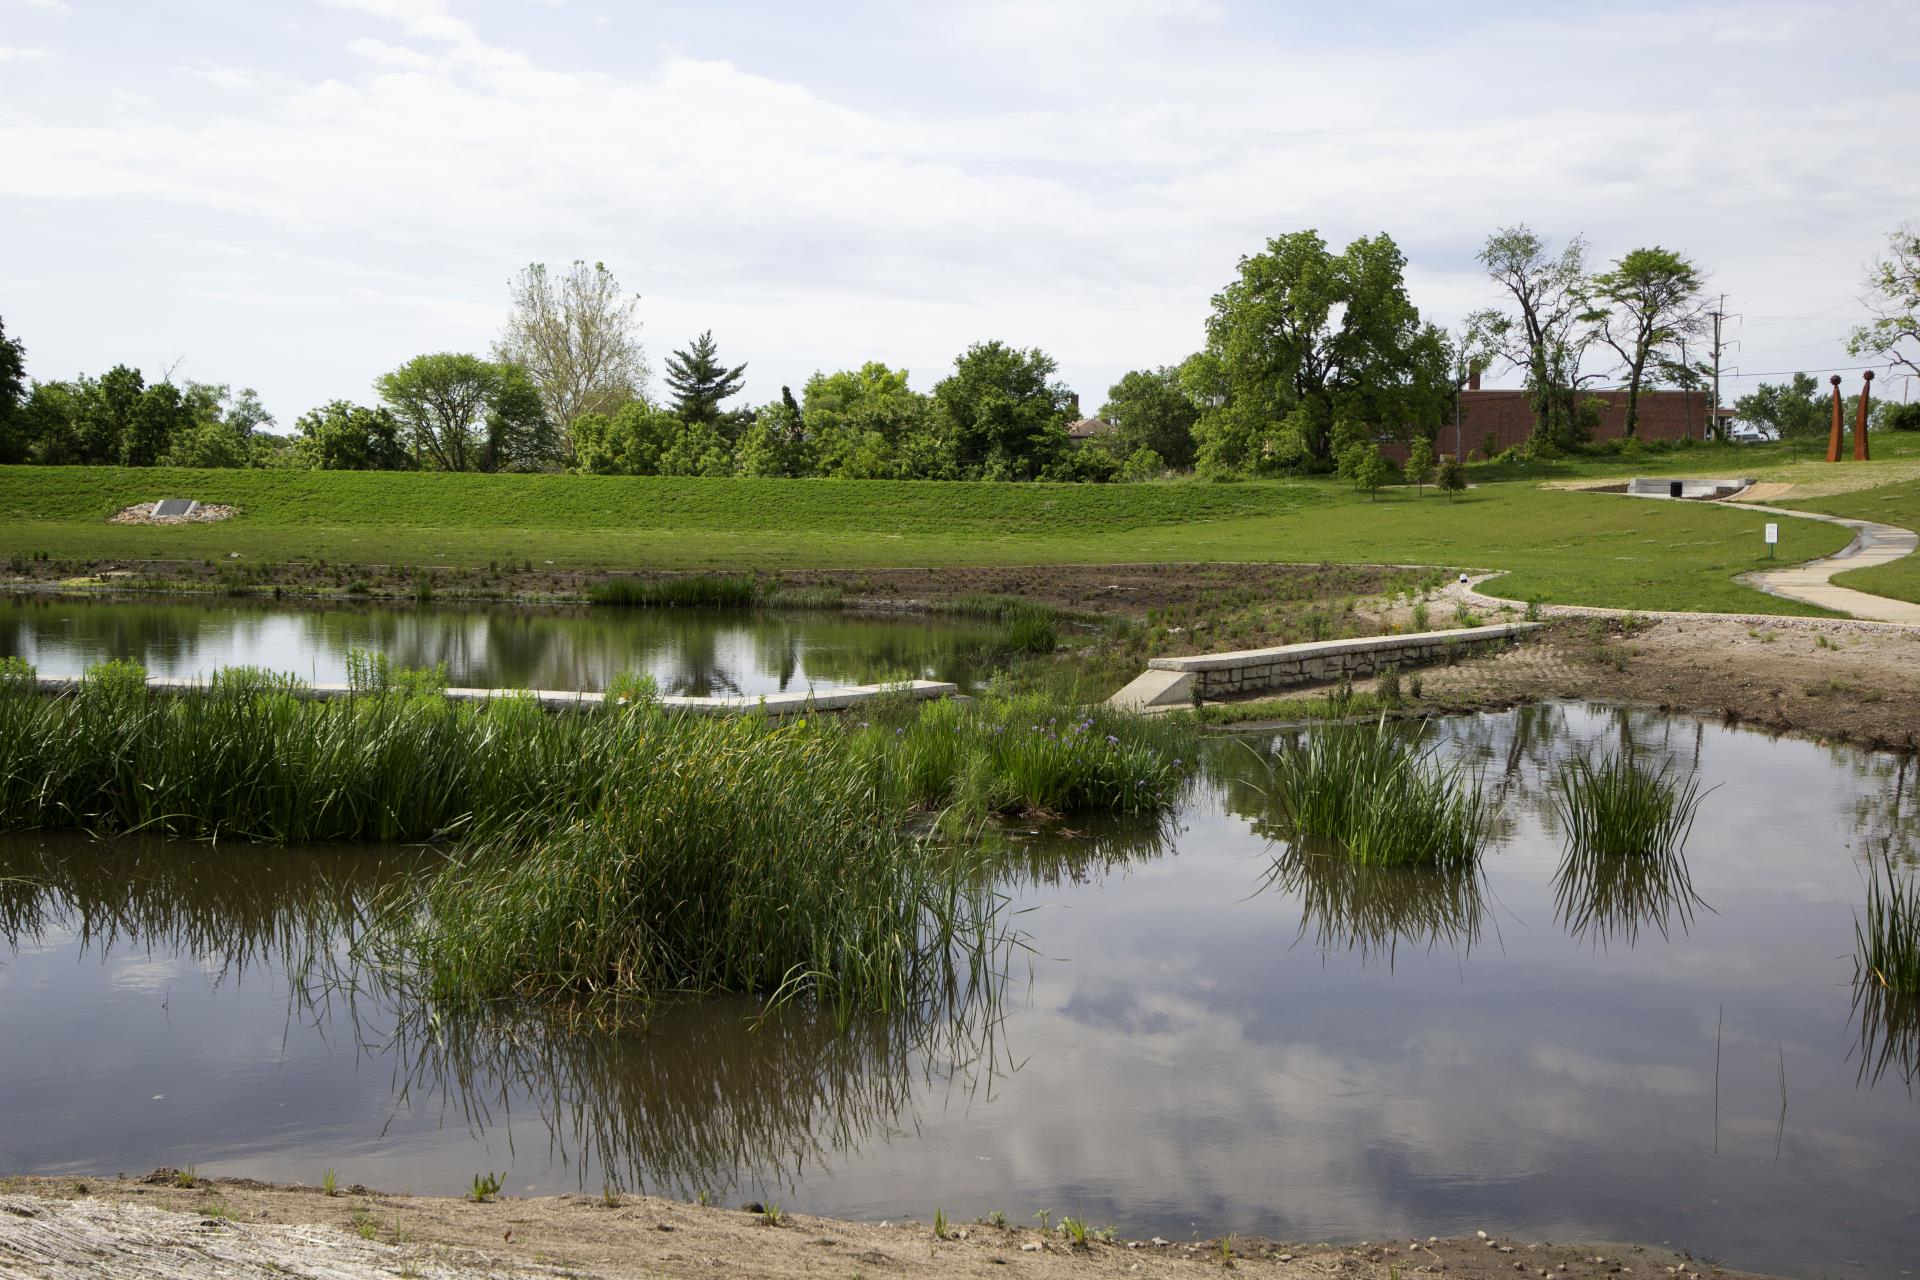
x=63, y=1228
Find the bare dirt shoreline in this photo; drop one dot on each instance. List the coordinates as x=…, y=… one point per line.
x=66, y=1228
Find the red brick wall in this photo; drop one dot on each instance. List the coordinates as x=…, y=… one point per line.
x=1664, y=415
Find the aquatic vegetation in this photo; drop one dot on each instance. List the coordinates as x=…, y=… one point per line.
x=1618, y=809
x=1886, y=988
x=1383, y=798
x=486, y=1186
x=697, y=591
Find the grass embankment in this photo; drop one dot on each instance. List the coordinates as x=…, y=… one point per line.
x=624, y=853
x=1555, y=546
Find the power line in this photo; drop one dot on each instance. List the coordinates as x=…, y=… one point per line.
x=1787, y=373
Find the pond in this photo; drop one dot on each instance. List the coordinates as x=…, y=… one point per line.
x=1209, y=1031
x=688, y=651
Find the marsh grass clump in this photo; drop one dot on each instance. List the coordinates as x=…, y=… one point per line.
x=1381, y=797
x=1030, y=754
x=1888, y=939
x=1616, y=808
x=696, y=591
x=726, y=853
x=1886, y=989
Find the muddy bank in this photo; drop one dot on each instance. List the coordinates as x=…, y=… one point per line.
x=1124, y=590
x=64, y=1228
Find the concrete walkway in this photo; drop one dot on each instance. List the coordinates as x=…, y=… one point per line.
x=1812, y=582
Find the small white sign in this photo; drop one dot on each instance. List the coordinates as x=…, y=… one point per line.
x=1773, y=534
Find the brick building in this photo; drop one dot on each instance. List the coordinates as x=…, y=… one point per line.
x=1508, y=417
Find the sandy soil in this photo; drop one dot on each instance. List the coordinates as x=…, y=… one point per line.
x=63, y=1228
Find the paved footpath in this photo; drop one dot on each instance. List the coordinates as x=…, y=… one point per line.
x=1812, y=582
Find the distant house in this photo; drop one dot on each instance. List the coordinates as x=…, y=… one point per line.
x=1089, y=429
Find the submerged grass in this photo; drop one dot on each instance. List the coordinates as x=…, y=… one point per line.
x=1385, y=800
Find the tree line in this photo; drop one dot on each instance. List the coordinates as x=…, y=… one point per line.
x=1313, y=357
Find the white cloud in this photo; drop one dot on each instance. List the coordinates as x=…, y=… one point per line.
x=1085, y=194
x=10, y=54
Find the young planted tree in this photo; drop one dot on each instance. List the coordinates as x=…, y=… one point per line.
x=1646, y=304
x=700, y=382
x=575, y=334
x=1419, y=461
x=1546, y=333
x=1893, y=298
x=1450, y=477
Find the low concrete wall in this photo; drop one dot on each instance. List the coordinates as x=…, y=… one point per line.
x=1226, y=675
x=779, y=704
x=1662, y=487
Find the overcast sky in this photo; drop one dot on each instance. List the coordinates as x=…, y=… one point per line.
x=298, y=195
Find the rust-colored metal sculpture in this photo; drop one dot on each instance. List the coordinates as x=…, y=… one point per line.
x=1833, y=440
x=1860, y=421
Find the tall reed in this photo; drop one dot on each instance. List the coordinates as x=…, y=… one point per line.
x=1618, y=809
x=1385, y=800
x=697, y=591
x=1886, y=990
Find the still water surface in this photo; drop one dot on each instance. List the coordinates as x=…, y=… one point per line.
x=1217, y=1034
x=697, y=651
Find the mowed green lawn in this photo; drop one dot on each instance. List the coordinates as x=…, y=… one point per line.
x=1555, y=546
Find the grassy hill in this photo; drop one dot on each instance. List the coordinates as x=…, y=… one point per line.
x=1556, y=546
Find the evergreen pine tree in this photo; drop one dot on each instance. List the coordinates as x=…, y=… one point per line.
x=700, y=382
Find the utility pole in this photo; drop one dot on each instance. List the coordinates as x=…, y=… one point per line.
x=1686, y=386
x=1719, y=314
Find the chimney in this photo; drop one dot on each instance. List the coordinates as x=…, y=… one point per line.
x=1073, y=405
x=1473, y=379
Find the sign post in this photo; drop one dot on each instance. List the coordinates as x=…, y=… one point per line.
x=1773, y=537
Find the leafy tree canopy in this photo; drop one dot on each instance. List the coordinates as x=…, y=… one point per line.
x=1150, y=410
x=1004, y=415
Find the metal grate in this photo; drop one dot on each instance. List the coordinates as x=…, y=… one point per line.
x=174, y=507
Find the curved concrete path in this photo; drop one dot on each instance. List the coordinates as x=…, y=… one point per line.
x=1812, y=582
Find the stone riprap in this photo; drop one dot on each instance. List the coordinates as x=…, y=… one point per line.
x=1173, y=681
x=779, y=704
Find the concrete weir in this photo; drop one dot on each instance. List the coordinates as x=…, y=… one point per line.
x=1171, y=682
x=778, y=704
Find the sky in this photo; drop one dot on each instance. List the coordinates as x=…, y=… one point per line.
x=298, y=195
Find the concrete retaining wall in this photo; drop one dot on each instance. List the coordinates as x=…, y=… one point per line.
x=1662, y=487
x=1228, y=675
x=779, y=704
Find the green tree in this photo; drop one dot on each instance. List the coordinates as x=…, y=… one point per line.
x=575, y=334
x=343, y=436
x=1796, y=410
x=1143, y=464
x=463, y=413
x=1548, y=331
x=1149, y=410
x=868, y=424
x=1002, y=411
x=13, y=398
x=1646, y=304
x=1450, y=476
x=1893, y=285
x=1309, y=350
x=700, y=382
x=1419, y=461
x=776, y=444
x=1890, y=416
